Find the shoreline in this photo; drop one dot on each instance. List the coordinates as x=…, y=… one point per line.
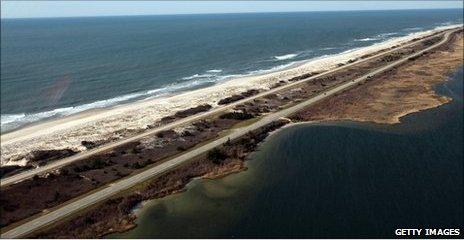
x=136, y=116
x=154, y=190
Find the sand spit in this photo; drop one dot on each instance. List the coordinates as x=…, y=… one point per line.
x=123, y=120
x=394, y=94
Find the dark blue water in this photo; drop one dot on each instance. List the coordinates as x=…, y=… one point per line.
x=343, y=180
x=60, y=66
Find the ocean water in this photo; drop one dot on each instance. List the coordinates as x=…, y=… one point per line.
x=343, y=180
x=60, y=66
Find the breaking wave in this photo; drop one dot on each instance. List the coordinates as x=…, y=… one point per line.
x=198, y=76
x=214, y=71
x=11, y=121
x=382, y=36
x=366, y=39
x=285, y=57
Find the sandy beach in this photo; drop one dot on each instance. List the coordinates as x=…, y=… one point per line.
x=121, y=121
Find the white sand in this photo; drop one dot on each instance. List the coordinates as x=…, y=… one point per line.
x=95, y=125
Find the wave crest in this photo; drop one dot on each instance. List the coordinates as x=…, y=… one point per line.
x=286, y=56
x=366, y=39
x=214, y=71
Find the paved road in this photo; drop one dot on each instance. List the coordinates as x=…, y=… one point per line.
x=131, y=181
x=85, y=154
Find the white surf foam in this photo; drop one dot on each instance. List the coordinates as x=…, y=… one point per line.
x=9, y=118
x=198, y=76
x=11, y=121
x=286, y=56
x=328, y=48
x=214, y=71
x=368, y=39
x=384, y=35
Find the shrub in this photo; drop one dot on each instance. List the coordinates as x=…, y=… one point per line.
x=216, y=155
x=237, y=115
x=98, y=164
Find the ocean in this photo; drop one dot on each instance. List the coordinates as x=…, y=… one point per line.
x=61, y=66
x=338, y=180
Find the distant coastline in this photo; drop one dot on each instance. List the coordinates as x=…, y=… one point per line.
x=223, y=13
